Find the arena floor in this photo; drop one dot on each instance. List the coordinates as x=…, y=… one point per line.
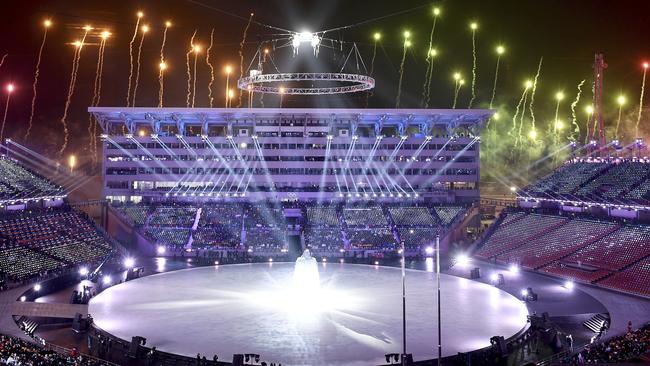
x=354, y=319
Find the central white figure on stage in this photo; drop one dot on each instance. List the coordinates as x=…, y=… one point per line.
x=306, y=280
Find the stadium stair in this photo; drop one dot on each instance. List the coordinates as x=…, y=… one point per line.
x=595, y=322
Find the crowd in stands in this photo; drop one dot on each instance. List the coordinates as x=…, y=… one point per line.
x=412, y=216
x=609, y=253
x=173, y=216
x=15, y=351
x=168, y=236
x=616, y=181
x=37, y=242
x=626, y=348
x=18, y=182
x=372, y=239
x=364, y=217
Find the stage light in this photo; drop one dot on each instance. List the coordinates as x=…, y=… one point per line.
x=569, y=285
x=141, y=133
x=216, y=263
x=325, y=260
x=524, y=292
x=462, y=259
x=513, y=189
x=243, y=145
x=270, y=259
x=513, y=268
x=23, y=299
x=106, y=280
x=494, y=277
x=161, y=250
x=83, y=271
x=341, y=260
x=376, y=263
x=37, y=287
x=129, y=262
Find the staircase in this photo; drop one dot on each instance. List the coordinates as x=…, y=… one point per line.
x=595, y=322
x=26, y=325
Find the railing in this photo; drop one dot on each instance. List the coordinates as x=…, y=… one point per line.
x=66, y=351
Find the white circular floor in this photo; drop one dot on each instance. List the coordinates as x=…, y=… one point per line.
x=355, y=319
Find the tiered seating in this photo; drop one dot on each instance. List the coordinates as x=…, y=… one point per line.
x=324, y=239
x=221, y=215
x=618, y=179
x=555, y=244
x=416, y=238
x=173, y=216
x=640, y=192
x=265, y=216
x=600, y=258
x=136, y=215
x=372, y=239
x=322, y=216
x=364, y=217
x=217, y=237
x=448, y=214
x=20, y=263
x=77, y=252
x=18, y=182
x=634, y=279
x=566, y=179
x=262, y=239
x=514, y=232
x=168, y=236
x=412, y=216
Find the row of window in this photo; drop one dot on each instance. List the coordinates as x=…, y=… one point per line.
x=287, y=171
x=333, y=158
x=384, y=148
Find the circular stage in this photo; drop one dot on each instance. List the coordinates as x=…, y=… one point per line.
x=354, y=319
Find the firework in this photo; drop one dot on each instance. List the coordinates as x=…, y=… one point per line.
x=473, y=26
x=559, y=96
x=574, y=118
x=2, y=61
x=523, y=114
x=145, y=29
x=407, y=44
x=500, y=51
x=241, y=53
x=10, y=90
x=92, y=126
x=207, y=61
x=458, y=83
x=590, y=111
x=162, y=66
x=71, y=87
x=135, y=34
x=197, y=50
x=47, y=23
x=431, y=53
x=638, y=118
x=228, y=70
x=532, y=94
x=189, y=71
x=376, y=38
x=527, y=85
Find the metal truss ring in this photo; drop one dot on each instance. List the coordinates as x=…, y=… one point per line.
x=259, y=83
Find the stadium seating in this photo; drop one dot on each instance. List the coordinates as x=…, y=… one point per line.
x=136, y=215
x=416, y=238
x=322, y=216
x=266, y=240
x=620, y=178
x=447, y=214
x=324, y=240
x=566, y=179
x=364, y=217
x=515, y=232
x=168, y=236
x=18, y=182
x=412, y=217
x=634, y=279
x=173, y=216
x=372, y=239
x=216, y=236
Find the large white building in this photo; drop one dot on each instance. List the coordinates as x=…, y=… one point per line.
x=307, y=154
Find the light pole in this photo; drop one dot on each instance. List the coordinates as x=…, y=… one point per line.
x=439, y=312
x=403, y=304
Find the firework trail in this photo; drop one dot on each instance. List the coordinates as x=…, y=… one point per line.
x=196, y=56
x=532, y=94
x=500, y=51
x=638, y=118
x=401, y=71
x=95, y=100
x=71, y=87
x=376, y=37
x=207, y=61
x=2, y=61
x=241, y=53
x=574, y=118
x=36, y=74
x=135, y=34
x=471, y=101
x=161, y=67
x=517, y=110
x=429, y=71
x=521, y=121
x=145, y=29
x=618, y=120
x=456, y=92
x=4, y=119
x=189, y=71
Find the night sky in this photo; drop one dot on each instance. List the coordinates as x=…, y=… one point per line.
x=565, y=33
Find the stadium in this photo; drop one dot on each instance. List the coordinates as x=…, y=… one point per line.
x=312, y=216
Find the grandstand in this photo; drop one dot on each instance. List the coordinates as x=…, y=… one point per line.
x=19, y=184
x=604, y=252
